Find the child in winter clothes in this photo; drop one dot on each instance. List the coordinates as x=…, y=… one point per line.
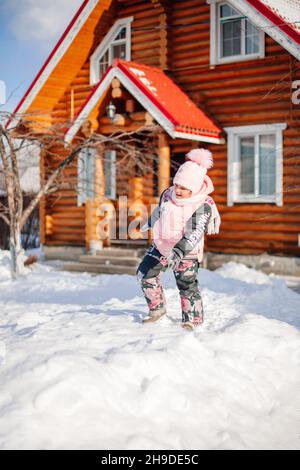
x=185, y=213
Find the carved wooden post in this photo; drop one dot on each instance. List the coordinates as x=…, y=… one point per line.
x=99, y=176
x=88, y=224
x=92, y=241
x=42, y=205
x=164, y=163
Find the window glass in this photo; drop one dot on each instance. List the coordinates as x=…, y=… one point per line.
x=231, y=38
x=252, y=39
x=237, y=35
x=119, y=51
x=104, y=63
x=227, y=10
x=122, y=34
x=247, y=165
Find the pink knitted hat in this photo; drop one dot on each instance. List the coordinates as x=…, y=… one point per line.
x=192, y=173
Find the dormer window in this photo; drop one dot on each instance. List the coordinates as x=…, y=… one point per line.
x=115, y=45
x=233, y=37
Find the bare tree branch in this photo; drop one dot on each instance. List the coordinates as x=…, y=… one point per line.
x=14, y=164
x=136, y=153
x=3, y=217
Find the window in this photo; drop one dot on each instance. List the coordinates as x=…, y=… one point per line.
x=115, y=45
x=255, y=164
x=232, y=36
x=110, y=159
x=85, y=175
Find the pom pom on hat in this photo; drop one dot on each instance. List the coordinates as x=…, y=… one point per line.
x=201, y=156
x=192, y=173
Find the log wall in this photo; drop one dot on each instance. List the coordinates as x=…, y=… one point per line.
x=242, y=93
x=236, y=94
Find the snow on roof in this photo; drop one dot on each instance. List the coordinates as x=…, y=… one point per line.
x=280, y=19
x=288, y=10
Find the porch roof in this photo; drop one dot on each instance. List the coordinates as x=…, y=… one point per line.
x=160, y=96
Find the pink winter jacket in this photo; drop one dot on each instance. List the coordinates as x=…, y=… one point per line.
x=180, y=226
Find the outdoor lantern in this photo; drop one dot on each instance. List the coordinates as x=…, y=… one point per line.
x=111, y=111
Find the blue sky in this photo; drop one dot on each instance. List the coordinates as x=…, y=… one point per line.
x=29, y=29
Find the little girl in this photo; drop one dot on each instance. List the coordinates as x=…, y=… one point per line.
x=184, y=214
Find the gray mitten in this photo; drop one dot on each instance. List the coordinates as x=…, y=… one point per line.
x=214, y=223
x=173, y=260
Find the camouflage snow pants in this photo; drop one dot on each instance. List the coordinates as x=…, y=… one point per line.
x=149, y=274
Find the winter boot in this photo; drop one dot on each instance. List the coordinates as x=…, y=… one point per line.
x=154, y=316
x=188, y=325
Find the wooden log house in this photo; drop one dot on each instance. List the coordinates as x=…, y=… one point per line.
x=215, y=74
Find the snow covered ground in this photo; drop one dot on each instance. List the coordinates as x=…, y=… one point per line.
x=79, y=370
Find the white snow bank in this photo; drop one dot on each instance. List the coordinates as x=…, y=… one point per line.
x=5, y=265
x=2, y=352
x=81, y=371
x=239, y=271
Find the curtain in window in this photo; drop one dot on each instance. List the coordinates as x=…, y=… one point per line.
x=231, y=38
x=110, y=158
x=247, y=165
x=86, y=175
x=267, y=164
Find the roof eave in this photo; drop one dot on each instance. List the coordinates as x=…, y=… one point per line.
x=198, y=137
x=257, y=17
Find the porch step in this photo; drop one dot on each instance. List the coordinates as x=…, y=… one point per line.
x=99, y=269
x=109, y=261
x=105, y=260
x=121, y=252
x=129, y=243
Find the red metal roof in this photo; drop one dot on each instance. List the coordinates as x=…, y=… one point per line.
x=162, y=98
x=283, y=14
x=170, y=99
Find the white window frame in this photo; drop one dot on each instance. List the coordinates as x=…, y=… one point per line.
x=86, y=175
x=105, y=45
x=110, y=159
x=233, y=163
x=215, y=38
